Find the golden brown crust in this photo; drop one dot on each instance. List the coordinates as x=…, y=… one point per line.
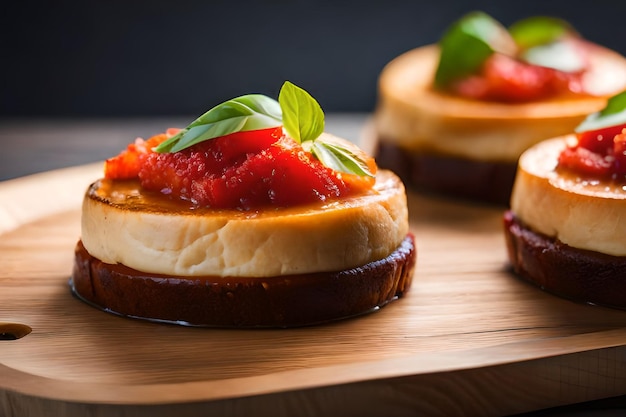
x=580, y=213
x=122, y=225
x=282, y=301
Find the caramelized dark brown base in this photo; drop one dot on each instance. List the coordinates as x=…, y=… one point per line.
x=285, y=301
x=480, y=181
x=577, y=274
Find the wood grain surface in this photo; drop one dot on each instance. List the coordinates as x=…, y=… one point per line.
x=469, y=338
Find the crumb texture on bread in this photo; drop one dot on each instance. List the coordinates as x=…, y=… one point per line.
x=120, y=227
x=582, y=213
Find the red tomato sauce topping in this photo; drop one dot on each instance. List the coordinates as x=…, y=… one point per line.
x=243, y=170
x=506, y=79
x=598, y=154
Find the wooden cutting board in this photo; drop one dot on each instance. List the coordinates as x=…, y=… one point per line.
x=468, y=339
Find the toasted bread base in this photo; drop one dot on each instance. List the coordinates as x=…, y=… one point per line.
x=281, y=301
x=479, y=181
x=577, y=274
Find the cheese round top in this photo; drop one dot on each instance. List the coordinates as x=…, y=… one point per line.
x=147, y=232
x=581, y=213
x=415, y=116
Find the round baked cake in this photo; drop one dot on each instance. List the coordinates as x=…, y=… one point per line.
x=461, y=134
x=244, y=229
x=567, y=221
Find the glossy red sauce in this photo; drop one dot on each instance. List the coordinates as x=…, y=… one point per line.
x=598, y=154
x=243, y=170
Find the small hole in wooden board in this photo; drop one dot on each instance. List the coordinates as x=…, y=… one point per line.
x=13, y=331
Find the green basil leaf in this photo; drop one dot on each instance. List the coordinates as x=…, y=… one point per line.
x=303, y=118
x=539, y=30
x=542, y=41
x=612, y=115
x=562, y=56
x=467, y=44
x=249, y=112
x=298, y=112
x=339, y=158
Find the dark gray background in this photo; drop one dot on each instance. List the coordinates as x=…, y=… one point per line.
x=145, y=58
